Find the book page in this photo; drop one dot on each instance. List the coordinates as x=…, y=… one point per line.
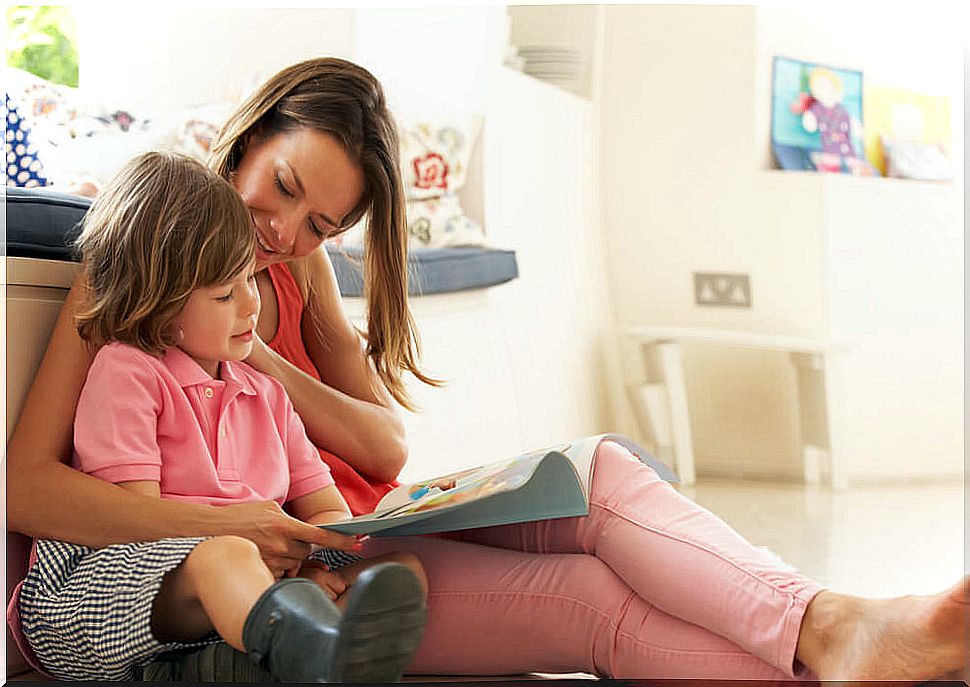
x=459, y=487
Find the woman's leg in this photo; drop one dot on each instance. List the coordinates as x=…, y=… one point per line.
x=496, y=611
x=689, y=563
x=677, y=556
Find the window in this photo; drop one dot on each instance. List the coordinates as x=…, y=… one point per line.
x=42, y=40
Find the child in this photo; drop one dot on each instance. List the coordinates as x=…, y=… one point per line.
x=169, y=410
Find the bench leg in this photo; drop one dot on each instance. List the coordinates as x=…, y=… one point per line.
x=672, y=368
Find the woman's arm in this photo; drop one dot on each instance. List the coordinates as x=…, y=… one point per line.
x=351, y=413
x=47, y=498
x=152, y=489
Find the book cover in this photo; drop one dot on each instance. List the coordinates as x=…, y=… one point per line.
x=547, y=483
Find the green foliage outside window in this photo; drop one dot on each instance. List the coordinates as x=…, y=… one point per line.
x=42, y=40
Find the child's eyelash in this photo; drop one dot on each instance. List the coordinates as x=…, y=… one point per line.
x=223, y=299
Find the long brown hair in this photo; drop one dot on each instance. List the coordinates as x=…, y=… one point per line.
x=163, y=227
x=344, y=100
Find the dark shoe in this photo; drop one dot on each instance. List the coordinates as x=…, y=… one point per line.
x=213, y=663
x=297, y=633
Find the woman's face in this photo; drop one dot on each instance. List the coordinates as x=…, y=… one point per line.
x=299, y=186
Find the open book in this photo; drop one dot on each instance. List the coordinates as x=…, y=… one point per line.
x=549, y=483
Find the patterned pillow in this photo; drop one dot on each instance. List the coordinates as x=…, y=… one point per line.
x=434, y=164
x=194, y=128
x=432, y=223
x=440, y=223
x=79, y=137
x=434, y=159
x=23, y=168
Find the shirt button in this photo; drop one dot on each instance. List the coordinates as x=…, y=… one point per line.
x=208, y=392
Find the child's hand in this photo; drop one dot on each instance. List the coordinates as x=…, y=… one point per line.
x=331, y=582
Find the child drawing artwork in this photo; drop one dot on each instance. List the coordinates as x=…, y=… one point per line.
x=822, y=111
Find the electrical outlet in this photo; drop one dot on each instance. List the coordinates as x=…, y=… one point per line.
x=719, y=288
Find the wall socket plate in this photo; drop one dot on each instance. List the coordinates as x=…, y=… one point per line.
x=723, y=289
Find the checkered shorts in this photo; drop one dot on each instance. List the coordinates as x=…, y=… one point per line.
x=87, y=612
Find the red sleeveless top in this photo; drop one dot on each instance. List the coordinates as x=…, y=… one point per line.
x=360, y=492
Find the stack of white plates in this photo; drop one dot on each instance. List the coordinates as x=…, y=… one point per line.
x=555, y=64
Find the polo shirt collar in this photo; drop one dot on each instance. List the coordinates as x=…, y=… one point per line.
x=187, y=372
x=234, y=376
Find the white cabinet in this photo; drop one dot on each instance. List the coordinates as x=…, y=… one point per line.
x=893, y=270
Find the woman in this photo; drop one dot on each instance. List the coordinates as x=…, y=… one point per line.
x=648, y=585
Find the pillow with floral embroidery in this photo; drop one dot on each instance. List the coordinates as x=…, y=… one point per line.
x=440, y=223
x=432, y=223
x=435, y=158
x=194, y=128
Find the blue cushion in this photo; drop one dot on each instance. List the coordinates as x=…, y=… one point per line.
x=433, y=270
x=42, y=224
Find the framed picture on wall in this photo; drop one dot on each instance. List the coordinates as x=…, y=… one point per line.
x=816, y=118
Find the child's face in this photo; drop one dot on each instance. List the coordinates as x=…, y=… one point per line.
x=218, y=322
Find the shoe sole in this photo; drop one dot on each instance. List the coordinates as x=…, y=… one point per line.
x=382, y=625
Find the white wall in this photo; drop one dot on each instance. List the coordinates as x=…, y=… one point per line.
x=685, y=139
x=162, y=56
x=680, y=196
x=433, y=62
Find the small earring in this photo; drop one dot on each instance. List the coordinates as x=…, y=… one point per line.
x=179, y=334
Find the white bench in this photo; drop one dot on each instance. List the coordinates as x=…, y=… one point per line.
x=664, y=400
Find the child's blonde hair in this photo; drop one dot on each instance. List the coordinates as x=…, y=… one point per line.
x=165, y=226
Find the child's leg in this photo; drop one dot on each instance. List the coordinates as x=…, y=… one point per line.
x=214, y=588
x=349, y=573
x=290, y=626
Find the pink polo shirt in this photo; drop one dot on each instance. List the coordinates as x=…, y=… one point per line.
x=215, y=441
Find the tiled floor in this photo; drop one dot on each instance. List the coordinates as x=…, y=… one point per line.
x=873, y=541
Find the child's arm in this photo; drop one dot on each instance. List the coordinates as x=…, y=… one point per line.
x=320, y=507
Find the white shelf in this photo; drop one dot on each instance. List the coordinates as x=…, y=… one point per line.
x=727, y=337
x=799, y=176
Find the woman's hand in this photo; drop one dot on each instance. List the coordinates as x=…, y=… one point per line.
x=260, y=355
x=283, y=541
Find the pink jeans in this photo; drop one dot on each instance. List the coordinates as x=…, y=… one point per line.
x=649, y=585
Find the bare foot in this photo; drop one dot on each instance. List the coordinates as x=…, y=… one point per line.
x=910, y=638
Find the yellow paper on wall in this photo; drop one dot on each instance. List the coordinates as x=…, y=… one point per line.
x=898, y=113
